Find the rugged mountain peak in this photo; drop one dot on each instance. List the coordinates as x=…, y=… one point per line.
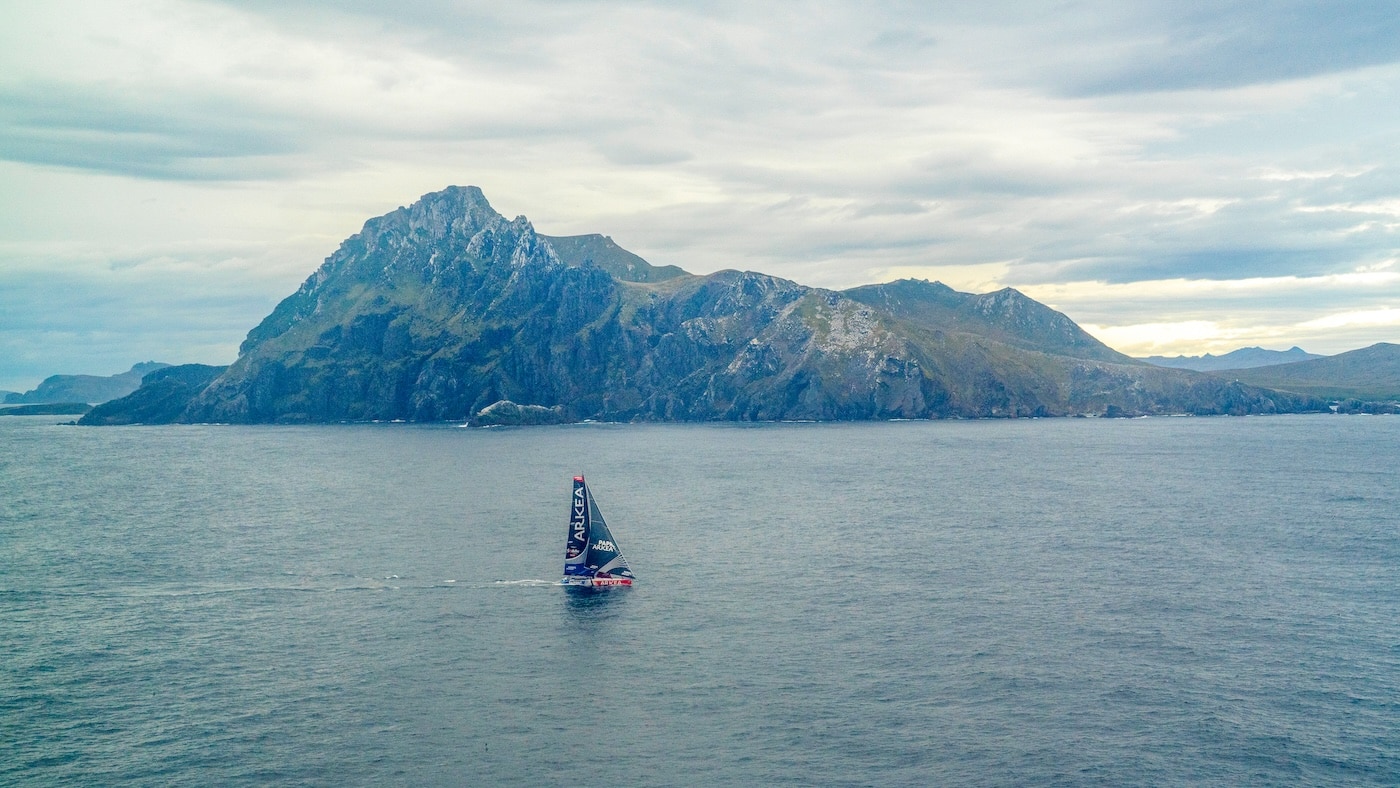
x=447, y=221
x=457, y=210
x=1012, y=307
x=1005, y=299
x=442, y=247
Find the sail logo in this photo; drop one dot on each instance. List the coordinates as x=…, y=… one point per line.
x=605, y=546
x=579, y=521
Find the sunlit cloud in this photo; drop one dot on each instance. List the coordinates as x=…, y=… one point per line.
x=1222, y=315
x=1364, y=317
x=1164, y=338
x=1380, y=207
x=1379, y=277
x=1275, y=174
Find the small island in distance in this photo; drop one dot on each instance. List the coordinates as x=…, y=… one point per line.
x=447, y=311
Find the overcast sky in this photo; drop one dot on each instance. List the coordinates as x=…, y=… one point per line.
x=1177, y=177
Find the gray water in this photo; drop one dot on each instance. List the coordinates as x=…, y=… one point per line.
x=1144, y=602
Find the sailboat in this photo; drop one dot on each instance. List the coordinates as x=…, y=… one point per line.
x=592, y=558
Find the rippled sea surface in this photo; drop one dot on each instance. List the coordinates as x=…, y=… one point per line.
x=1077, y=601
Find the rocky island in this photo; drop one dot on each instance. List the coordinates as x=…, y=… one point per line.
x=446, y=310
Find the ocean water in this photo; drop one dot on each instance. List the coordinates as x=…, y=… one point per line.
x=1072, y=602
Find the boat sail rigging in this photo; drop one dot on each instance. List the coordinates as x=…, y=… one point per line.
x=592, y=558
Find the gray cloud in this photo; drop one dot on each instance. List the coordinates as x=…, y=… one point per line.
x=1010, y=143
x=80, y=320
x=190, y=137
x=1210, y=45
x=1206, y=263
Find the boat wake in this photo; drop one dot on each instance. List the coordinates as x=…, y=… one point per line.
x=317, y=585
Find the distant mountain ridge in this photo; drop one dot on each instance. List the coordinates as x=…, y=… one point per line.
x=85, y=388
x=1370, y=373
x=445, y=310
x=1243, y=358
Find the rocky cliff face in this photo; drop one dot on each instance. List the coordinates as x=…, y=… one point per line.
x=441, y=310
x=162, y=398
